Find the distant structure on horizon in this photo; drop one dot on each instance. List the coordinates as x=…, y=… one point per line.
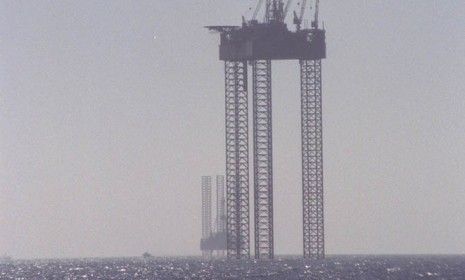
x=257, y=44
x=5, y=259
x=213, y=242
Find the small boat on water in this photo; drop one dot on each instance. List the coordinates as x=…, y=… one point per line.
x=147, y=256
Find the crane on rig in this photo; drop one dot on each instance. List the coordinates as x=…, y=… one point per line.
x=284, y=44
x=278, y=13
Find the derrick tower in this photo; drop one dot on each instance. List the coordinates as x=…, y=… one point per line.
x=257, y=43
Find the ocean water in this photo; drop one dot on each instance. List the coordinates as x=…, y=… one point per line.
x=334, y=267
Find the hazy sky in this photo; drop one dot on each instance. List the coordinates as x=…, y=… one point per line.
x=110, y=111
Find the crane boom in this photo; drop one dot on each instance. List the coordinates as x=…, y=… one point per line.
x=299, y=18
x=257, y=9
x=317, y=10
x=302, y=10
x=286, y=9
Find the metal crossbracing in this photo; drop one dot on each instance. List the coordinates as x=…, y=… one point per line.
x=312, y=159
x=263, y=159
x=237, y=160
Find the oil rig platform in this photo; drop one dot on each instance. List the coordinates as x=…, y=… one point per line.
x=258, y=43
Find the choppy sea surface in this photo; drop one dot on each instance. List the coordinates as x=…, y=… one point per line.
x=334, y=267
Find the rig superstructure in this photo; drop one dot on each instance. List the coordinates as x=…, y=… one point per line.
x=258, y=43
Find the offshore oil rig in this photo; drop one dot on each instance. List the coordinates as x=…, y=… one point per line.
x=258, y=43
x=213, y=242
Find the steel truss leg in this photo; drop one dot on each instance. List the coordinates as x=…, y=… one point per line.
x=237, y=160
x=263, y=160
x=312, y=159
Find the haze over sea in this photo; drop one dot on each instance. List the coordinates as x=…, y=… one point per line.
x=110, y=111
x=334, y=267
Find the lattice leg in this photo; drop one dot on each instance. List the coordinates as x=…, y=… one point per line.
x=237, y=161
x=263, y=159
x=312, y=159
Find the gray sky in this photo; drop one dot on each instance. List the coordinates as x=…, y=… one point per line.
x=105, y=131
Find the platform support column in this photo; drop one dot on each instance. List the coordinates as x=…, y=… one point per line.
x=263, y=159
x=312, y=159
x=237, y=160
